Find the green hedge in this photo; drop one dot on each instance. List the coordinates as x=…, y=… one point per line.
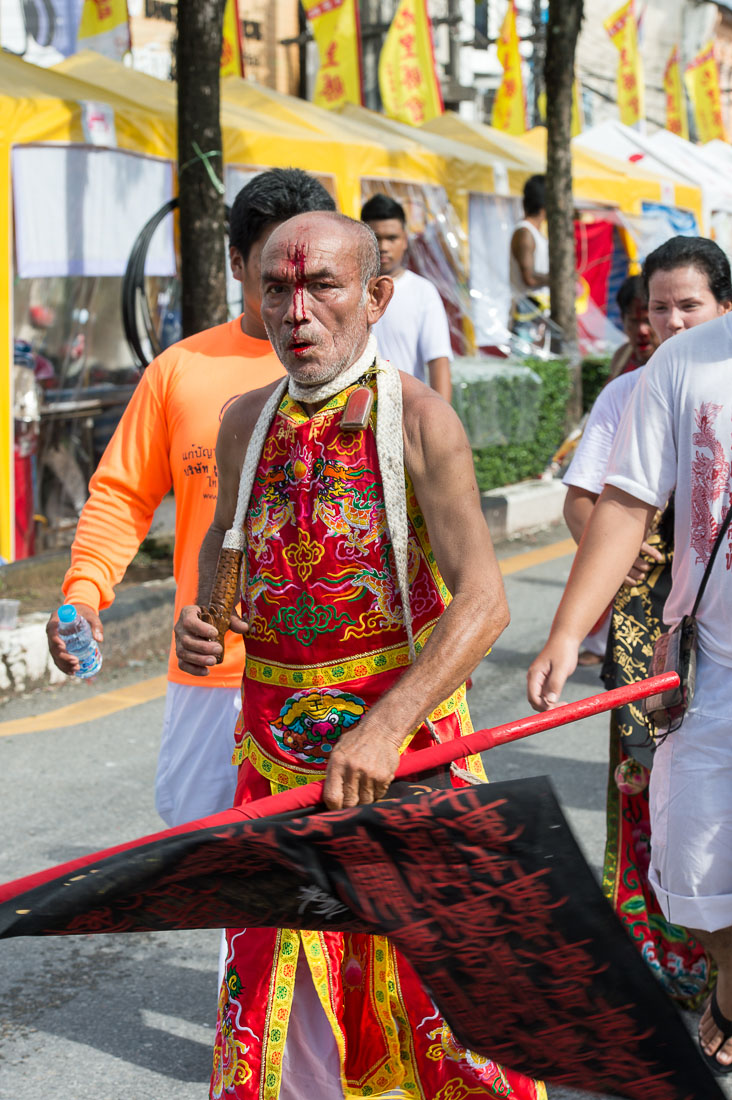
x=505, y=464
x=595, y=373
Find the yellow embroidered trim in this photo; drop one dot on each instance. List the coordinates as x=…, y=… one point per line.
x=328, y=675
x=279, y=1003
x=416, y=520
x=281, y=777
x=399, y=1069
x=473, y=764
x=292, y=410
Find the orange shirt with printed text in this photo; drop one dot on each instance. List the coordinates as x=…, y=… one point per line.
x=167, y=439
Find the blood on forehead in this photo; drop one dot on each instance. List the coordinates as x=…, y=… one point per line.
x=298, y=256
x=297, y=259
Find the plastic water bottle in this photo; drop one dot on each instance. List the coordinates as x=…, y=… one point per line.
x=79, y=641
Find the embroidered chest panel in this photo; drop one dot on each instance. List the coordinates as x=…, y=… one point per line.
x=321, y=582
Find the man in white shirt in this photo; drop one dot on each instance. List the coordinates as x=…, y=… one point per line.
x=674, y=437
x=413, y=333
x=529, y=247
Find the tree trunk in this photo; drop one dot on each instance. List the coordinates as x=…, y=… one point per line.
x=565, y=18
x=202, y=215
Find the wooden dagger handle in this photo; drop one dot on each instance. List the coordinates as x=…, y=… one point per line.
x=224, y=593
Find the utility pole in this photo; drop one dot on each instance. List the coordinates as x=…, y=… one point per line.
x=565, y=19
x=200, y=164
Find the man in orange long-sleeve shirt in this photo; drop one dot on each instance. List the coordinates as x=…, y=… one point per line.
x=167, y=438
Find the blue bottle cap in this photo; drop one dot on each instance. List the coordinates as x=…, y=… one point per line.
x=67, y=613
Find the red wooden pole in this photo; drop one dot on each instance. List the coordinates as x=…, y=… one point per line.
x=424, y=760
x=412, y=764
x=481, y=740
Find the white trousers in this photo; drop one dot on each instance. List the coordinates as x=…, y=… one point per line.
x=195, y=776
x=691, y=808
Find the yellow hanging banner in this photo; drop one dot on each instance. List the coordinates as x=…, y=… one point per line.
x=104, y=27
x=408, y=81
x=509, y=107
x=701, y=77
x=676, y=120
x=232, y=59
x=623, y=31
x=336, y=31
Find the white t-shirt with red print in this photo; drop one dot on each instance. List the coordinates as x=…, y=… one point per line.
x=676, y=434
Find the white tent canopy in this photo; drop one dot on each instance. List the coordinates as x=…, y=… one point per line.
x=665, y=154
x=690, y=160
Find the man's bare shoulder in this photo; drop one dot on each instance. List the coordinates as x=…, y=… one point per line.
x=431, y=426
x=240, y=418
x=521, y=240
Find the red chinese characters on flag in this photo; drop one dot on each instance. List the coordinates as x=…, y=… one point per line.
x=336, y=31
x=408, y=82
x=509, y=107
x=676, y=120
x=701, y=77
x=623, y=31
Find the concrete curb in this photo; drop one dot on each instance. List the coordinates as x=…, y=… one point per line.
x=138, y=624
x=522, y=508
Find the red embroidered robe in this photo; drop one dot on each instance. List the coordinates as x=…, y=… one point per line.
x=327, y=640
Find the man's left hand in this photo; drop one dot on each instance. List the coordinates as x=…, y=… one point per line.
x=362, y=765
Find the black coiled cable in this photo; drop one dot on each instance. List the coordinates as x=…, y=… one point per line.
x=133, y=289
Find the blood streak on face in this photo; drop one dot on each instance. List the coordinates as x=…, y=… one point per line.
x=298, y=268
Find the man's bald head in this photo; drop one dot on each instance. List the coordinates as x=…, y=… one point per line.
x=321, y=292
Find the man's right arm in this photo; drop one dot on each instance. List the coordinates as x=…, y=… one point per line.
x=640, y=477
x=132, y=478
x=524, y=250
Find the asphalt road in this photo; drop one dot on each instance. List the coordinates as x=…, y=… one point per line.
x=123, y=1017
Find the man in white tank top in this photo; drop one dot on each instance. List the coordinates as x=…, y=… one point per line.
x=529, y=267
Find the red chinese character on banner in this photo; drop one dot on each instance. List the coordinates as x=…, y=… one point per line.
x=509, y=86
x=415, y=108
x=629, y=81
x=330, y=61
x=634, y=104
x=104, y=9
x=407, y=42
x=404, y=19
x=412, y=77
x=333, y=88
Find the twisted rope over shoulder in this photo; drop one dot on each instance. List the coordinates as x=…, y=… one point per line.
x=234, y=537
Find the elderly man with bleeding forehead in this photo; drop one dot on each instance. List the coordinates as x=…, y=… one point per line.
x=371, y=592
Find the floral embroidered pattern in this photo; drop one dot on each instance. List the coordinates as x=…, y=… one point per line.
x=306, y=620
